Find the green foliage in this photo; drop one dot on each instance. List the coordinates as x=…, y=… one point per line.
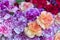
x=19, y=1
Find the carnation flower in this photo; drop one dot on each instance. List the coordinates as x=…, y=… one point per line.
x=5, y=30
x=26, y=5
x=32, y=13
x=45, y=19
x=19, y=21
x=49, y=32
x=51, y=8
x=33, y=29
x=39, y=3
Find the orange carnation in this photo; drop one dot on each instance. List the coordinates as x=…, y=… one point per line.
x=33, y=29
x=45, y=19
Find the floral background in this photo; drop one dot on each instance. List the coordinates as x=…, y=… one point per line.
x=29, y=19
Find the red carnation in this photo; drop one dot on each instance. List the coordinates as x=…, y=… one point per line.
x=39, y=3
x=58, y=3
x=52, y=9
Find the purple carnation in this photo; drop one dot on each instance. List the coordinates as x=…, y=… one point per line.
x=49, y=32
x=32, y=13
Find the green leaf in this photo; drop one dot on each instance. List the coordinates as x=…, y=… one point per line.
x=19, y=1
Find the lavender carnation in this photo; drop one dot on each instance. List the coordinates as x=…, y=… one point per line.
x=19, y=21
